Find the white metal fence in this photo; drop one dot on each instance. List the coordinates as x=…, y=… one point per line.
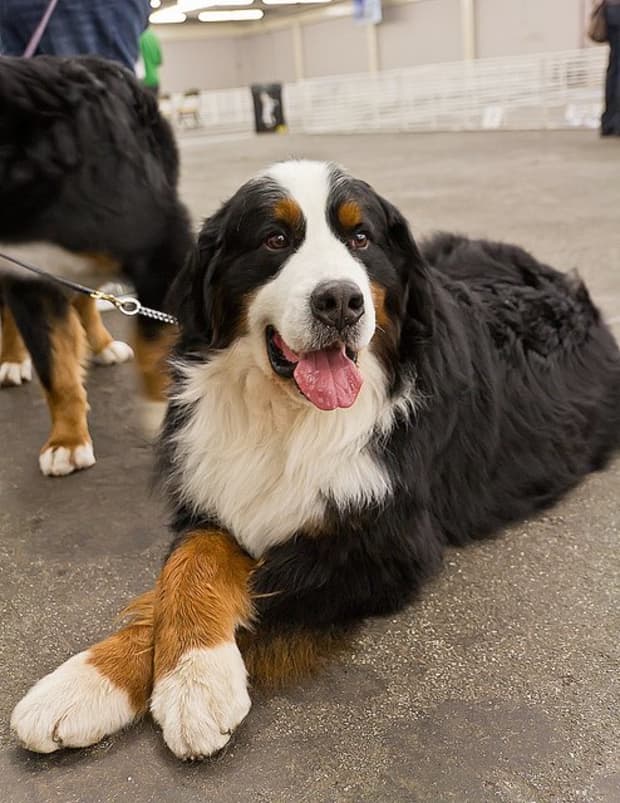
x=546, y=90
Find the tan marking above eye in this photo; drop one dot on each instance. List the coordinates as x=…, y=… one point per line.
x=349, y=214
x=289, y=212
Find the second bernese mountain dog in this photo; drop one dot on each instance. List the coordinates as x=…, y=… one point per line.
x=88, y=188
x=346, y=403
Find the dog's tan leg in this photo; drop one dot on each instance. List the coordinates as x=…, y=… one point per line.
x=153, y=349
x=105, y=350
x=15, y=363
x=200, y=681
x=94, y=693
x=69, y=446
x=180, y=641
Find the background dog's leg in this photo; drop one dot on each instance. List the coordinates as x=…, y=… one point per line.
x=153, y=345
x=152, y=278
x=94, y=693
x=106, y=350
x=200, y=682
x=55, y=339
x=15, y=363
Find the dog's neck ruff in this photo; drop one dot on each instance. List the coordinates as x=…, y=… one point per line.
x=266, y=465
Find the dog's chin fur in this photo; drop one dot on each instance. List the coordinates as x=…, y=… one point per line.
x=263, y=460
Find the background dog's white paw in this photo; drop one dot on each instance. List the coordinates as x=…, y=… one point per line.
x=201, y=702
x=14, y=373
x=58, y=461
x=74, y=706
x=115, y=352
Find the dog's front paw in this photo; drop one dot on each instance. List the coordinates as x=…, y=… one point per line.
x=14, y=373
x=74, y=706
x=202, y=700
x=58, y=461
x=115, y=352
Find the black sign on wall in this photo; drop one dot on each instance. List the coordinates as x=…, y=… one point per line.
x=268, y=109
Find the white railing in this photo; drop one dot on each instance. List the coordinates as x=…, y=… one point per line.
x=546, y=90
x=221, y=111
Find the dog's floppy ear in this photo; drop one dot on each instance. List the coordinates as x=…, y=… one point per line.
x=190, y=298
x=409, y=260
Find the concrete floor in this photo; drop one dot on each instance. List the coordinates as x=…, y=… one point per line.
x=500, y=684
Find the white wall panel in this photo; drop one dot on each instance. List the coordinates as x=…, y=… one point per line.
x=200, y=63
x=266, y=57
x=516, y=27
x=427, y=32
x=412, y=34
x=334, y=47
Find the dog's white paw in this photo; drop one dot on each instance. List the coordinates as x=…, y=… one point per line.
x=74, y=706
x=201, y=702
x=14, y=373
x=114, y=353
x=58, y=461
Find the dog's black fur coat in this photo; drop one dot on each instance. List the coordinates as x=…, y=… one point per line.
x=88, y=163
x=518, y=387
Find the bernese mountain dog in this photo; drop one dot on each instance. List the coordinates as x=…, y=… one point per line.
x=88, y=186
x=345, y=404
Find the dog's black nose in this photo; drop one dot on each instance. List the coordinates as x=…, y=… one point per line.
x=337, y=304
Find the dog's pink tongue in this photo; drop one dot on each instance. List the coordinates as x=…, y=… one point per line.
x=328, y=378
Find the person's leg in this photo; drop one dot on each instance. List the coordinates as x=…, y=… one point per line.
x=111, y=29
x=610, y=121
x=18, y=21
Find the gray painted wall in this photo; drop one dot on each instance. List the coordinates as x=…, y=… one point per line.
x=422, y=32
x=266, y=57
x=333, y=47
x=200, y=63
x=510, y=28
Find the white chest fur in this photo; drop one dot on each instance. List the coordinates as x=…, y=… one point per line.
x=266, y=465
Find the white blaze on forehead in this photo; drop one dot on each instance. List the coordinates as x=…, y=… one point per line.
x=284, y=302
x=309, y=184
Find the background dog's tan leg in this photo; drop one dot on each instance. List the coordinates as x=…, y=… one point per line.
x=153, y=347
x=15, y=363
x=106, y=350
x=69, y=446
x=200, y=681
x=94, y=693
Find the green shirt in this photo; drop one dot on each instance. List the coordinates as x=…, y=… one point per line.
x=151, y=56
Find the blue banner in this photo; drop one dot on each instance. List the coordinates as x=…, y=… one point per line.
x=368, y=11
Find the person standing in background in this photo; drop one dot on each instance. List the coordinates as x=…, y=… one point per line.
x=152, y=59
x=106, y=28
x=610, y=121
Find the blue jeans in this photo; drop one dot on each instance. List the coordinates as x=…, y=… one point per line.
x=106, y=28
x=610, y=121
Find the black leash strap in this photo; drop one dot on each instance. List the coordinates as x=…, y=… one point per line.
x=127, y=305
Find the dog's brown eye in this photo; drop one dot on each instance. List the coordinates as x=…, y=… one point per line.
x=358, y=242
x=276, y=242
